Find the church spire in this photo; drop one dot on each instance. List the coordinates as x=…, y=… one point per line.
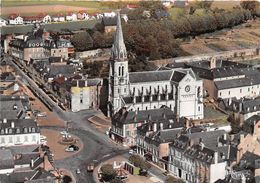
x=118, y=48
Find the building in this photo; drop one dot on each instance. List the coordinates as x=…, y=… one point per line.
x=3, y=22
x=71, y=16
x=225, y=79
x=109, y=24
x=20, y=132
x=58, y=48
x=153, y=138
x=201, y=157
x=78, y=92
x=179, y=89
x=82, y=15
x=31, y=46
x=15, y=19
x=125, y=123
x=59, y=17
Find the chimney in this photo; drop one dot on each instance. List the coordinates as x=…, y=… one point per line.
x=213, y=63
x=32, y=163
x=12, y=124
x=77, y=83
x=215, y=157
x=4, y=120
x=225, y=136
x=154, y=127
x=142, y=98
x=240, y=107
x=161, y=126
x=134, y=99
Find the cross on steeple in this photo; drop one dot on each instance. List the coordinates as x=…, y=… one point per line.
x=118, y=49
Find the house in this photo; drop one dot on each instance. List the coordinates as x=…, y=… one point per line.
x=109, y=23
x=30, y=46
x=179, y=89
x=82, y=15
x=15, y=132
x=124, y=123
x=180, y=3
x=59, y=17
x=153, y=138
x=8, y=84
x=110, y=14
x=45, y=18
x=24, y=166
x=249, y=124
x=244, y=108
x=71, y=16
x=15, y=19
x=3, y=22
x=77, y=92
x=58, y=48
x=201, y=156
x=15, y=107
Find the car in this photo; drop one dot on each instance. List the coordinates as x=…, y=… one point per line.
x=78, y=171
x=63, y=132
x=69, y=149
x=43, y=114
x=42, y=137
x=76, y=148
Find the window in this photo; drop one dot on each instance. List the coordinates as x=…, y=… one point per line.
x=26, y=138
x=199, y=108
x=240, y=90
x=122, y=70
x=25, y=130
x=33, y=138
x=248, y=89
x=119, y=71
x=219, y=93
x=228, y=92
x=10, y=139
x=2, y=140
x=81, y=101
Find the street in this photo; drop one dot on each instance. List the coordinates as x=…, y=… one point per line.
x=97, y=146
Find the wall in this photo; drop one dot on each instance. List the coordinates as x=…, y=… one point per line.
x=217, y=171
x=89, y=53
x=12, y=140
x=80, y=98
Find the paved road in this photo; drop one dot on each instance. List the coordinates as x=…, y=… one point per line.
x=97, y=146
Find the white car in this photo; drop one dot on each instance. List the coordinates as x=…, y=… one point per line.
x=78, y=171
x=63, y=132
x=42, y=137
x=131, y=151
x=69, y=149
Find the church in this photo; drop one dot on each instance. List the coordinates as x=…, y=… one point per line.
x=179, y=89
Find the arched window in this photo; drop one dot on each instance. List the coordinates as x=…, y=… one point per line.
x=122, y=70
x=25, y=130
x=119, y=71
x=33, y=130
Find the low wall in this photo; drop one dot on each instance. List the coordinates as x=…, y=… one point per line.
x=218, y=55
x=90, y=53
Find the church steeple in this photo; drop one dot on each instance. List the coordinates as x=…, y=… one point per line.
x=118, y=49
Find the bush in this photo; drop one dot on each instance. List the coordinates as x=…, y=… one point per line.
x=108, y=172
x=171, y=179
x=138, y=161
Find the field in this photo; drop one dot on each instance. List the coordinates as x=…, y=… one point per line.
x=35, y=7
x=240, y=37
x=49, y=27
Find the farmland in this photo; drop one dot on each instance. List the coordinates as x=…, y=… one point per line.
x=50, y=27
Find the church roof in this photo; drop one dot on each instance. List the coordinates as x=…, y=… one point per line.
x=150, y=76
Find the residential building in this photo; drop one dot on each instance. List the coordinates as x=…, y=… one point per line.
x=201, y=157
x=77, y=92
x=179, y=89
x=110, y=14
x=71, y=16
x=15, y=107
x=29, y=46
x=109, y=24
x=20, y=132
x=153, y=138
x=15, y=19
x=59, y=17
x=82, y=15
x=125, y=123
x=58, y=48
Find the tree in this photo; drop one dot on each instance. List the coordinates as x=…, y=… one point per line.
x=116, y=180
x=250, y=5
x=108, y=172
x=204, y=4
x=139, y=162
x=82, y=41
x=171, y=179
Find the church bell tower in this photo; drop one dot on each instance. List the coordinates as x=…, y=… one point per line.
x=118, y=71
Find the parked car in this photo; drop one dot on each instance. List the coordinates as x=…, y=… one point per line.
x=69, y=149
x=78, y=171
x=63, y=132
x=131, y=151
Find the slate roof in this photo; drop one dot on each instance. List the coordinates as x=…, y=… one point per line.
x=7, y=76
x=21, y=126
x=245, y=105
x=26, y=158
x=109, y=21
x=54, y=70
x=6, y=159
x=178, y=76
x=150, y=76
x=127, y=117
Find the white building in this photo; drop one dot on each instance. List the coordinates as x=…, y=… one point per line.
x=111, y=14
x=71, y=17
x=179, y=89
x=19, y=132
x=46, y=19
x=15, y=20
